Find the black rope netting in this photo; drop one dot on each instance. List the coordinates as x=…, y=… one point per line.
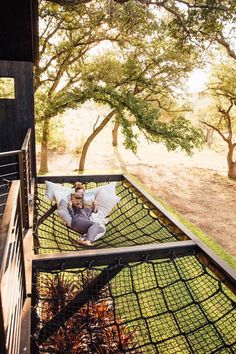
x=131, y=222
x=163, y=306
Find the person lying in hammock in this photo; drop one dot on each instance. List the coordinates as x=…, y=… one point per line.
x=81, y=211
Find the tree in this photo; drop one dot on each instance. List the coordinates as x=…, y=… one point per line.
x=139, y=77
x=178, y=132
x=222, y=87
x=67, y=36
x=146, y=78
x=203, y=21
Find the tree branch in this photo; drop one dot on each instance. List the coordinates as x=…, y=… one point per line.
x=216, y=129
x=226, y=114
x=222, y=41
x=94, y=126
x=49, y=35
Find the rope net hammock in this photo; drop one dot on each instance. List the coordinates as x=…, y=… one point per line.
x=175, y=305
x=105, y=304
x=132, y=222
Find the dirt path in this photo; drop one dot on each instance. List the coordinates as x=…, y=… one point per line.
x=202, y=196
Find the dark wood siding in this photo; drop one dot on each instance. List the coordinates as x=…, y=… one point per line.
x=17, y=115
x=19, y=30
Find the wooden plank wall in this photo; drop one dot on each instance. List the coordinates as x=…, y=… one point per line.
x=17, y=115
x=19, y=30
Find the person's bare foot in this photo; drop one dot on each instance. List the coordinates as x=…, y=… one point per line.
x=81, y=241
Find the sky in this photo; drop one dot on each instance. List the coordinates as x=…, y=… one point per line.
x=197, y=81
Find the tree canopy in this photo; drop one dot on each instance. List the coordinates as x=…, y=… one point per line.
x=222, y=117
x=140, y=74
x=196, y=21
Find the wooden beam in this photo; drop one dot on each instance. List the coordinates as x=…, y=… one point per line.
x=125, y=255
x=7, y=222
x=25, y=327
x=82, y=178
x=28, y=253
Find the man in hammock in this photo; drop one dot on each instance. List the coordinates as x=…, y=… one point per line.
x=81, y=211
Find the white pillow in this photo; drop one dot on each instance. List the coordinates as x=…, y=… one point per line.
x=99, y=217
x=59, y=195
x=51, y=188
x=90, y=194
x=110, y=187
x=106, y=201
x=63, y=212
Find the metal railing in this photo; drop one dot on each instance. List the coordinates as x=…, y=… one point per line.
x=17, y=165
x=9, y=170
x=12, y=272
x=25, y=172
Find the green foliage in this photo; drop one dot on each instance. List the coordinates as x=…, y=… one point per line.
x=222, y=81
x=130, y=137
x=56, y=138
x=201, y=22
x=138, y=75
x=7, y=88
x=178, y=132
x=143, y=85
x=222, y=90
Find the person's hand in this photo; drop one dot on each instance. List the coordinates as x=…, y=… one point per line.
x=70, y=204
x=95, y=204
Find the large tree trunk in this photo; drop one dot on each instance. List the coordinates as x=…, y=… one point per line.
x=44, y=148
x=91, y=137
x=115, y=134
x=232, y=170
x=231, y=162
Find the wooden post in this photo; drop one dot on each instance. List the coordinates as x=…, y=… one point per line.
x=11, y=257
x=21, y=247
